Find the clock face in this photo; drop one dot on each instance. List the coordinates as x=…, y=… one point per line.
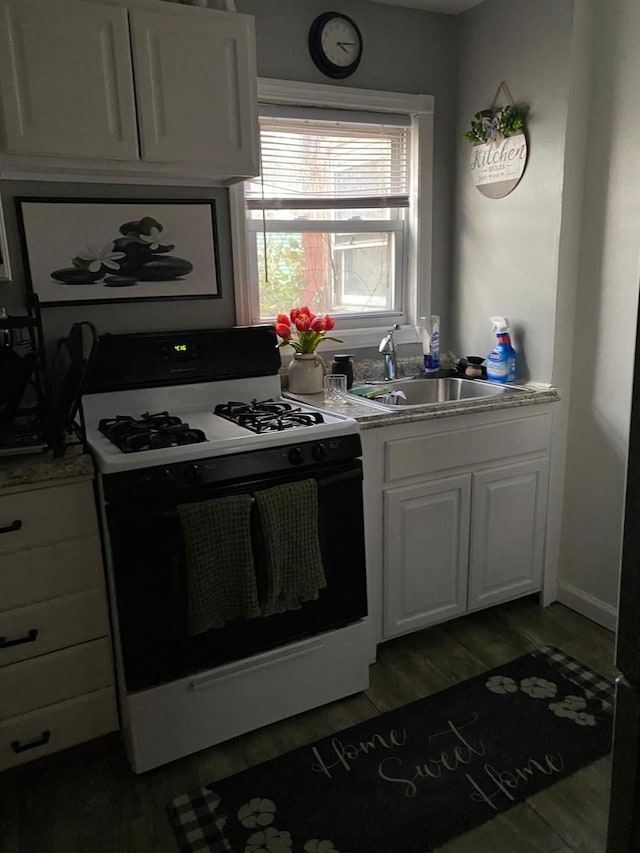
x=335, y=44
x=340, y=42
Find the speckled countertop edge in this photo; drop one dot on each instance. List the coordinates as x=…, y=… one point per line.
x=43, y=470
x=370, y=416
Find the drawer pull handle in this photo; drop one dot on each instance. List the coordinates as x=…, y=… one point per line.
x=28, y=638
x=15, y=525
x=44, y=738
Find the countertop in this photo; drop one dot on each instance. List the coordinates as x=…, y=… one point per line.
x=39, y=470
x=369, y=416
x=43, y=469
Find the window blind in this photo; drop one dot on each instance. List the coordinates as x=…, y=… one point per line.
x=311, y=164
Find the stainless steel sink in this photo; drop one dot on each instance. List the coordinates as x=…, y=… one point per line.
x=421, y=392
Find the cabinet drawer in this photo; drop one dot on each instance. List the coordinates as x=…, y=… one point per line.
x=430, y=453
x=52, y=571
x=44, y=516
x=57, y=624
x=53, y=678
x=56, y=727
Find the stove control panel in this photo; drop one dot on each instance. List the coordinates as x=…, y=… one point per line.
x=310, y=456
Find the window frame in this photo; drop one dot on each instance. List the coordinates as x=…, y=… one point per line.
x=416, y=296
x=319, y=226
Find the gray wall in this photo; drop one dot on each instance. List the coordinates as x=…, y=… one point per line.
x=506, y=251
x=605, y=321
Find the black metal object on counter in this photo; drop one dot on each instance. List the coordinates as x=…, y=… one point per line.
x=342, y=364
x=23, y=410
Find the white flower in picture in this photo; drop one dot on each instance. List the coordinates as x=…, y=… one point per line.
x=538, y=688
x=155, y=238
x=501, y=684
x=272, y=840
x=257, y=812
x=317, y=846
x=97, y=258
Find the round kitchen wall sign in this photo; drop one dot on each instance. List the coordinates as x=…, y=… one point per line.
x=496, y=169
x=499, y=153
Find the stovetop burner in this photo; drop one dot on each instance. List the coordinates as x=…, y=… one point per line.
x=149, y=432
x=267, y=415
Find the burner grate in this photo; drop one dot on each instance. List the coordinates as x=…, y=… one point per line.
x=267, y=415
x=149, y=432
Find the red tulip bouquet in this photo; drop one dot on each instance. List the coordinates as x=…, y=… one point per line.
x=311, y=329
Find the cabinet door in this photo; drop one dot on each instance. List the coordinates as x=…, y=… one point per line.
x=426, y=533
x=507, y=532
x=196, y=88
x=66, y=80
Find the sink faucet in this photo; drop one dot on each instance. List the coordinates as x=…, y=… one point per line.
x=388, y=349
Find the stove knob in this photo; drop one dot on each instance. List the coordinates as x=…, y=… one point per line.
x=319, y=452
x=296, y=456
x=145, y=482
x=192, y=473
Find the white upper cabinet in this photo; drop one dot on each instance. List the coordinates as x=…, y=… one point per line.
x=128, y=87
x=66, y=81
x=192, y=75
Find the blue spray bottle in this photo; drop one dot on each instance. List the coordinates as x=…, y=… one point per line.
x=501, y=361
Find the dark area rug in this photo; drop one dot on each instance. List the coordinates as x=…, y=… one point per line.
x=411, y=779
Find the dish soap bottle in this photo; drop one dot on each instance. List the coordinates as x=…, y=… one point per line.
x=501, y=361
x=430, y=332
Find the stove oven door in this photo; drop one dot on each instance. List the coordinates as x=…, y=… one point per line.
x=147, y=552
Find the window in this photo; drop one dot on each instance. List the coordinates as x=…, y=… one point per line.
x=335, y=219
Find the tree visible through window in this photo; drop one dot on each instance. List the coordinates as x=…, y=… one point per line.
x=326, y=220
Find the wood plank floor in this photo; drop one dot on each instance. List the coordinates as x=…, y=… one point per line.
x=86, y=800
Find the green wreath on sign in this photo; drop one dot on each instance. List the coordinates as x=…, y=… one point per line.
x=494, y=125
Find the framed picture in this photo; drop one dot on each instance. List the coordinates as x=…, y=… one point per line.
x=79, y=250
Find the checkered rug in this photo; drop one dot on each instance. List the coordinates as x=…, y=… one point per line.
x=413, y=778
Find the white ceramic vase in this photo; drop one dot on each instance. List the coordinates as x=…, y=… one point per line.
x=306, y=373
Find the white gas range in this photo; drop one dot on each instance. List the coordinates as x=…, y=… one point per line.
x=177, y=419
x=260, y=403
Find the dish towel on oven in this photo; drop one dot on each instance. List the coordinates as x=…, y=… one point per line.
x=221, y=580
x=289, y=522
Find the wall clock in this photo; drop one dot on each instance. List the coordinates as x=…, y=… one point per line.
x=335, y=44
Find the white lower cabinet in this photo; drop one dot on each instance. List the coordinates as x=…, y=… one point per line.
x=57, y=684
x=507, y=532
x=455, y=511
x=426, y=553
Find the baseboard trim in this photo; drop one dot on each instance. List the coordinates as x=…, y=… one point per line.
x=587, y=605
